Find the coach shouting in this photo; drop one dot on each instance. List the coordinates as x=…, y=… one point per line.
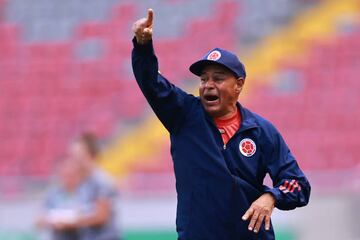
x=221, y=150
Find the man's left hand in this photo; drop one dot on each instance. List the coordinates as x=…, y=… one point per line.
x=259, y=210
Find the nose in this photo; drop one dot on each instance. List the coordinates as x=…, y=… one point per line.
x=209, y=83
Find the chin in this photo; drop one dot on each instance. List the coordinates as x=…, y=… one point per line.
x=212, y=112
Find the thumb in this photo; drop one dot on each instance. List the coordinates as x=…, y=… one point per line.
x=150, y=17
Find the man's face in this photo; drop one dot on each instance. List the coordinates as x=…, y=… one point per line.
x=219, y=90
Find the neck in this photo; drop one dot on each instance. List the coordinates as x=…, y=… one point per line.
x=229, y=114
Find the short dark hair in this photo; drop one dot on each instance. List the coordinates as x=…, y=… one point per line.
x=90, y=141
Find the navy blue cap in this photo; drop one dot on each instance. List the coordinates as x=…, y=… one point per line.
x=221, y=57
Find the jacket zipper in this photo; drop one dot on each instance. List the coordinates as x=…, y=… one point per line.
x=237, y=132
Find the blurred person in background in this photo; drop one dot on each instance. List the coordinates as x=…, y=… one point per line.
x=81, y=205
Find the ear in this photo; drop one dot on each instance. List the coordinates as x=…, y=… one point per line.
x=239, y=85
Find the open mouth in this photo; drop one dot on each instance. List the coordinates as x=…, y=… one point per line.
x=211, y=98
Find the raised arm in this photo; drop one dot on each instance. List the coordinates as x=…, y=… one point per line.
x=143, y=28
x=168, y=101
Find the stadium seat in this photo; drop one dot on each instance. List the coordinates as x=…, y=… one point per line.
x=66, y=69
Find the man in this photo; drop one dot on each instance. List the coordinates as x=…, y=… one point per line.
x=221, y=151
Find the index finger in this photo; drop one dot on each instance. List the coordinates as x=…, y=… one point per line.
x=248, y=213
x=150, y=17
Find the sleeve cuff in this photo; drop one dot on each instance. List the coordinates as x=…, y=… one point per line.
x=143, y=48
x=276, y=193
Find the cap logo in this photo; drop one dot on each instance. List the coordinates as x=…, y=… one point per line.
x=247, y=147
x=214, y=55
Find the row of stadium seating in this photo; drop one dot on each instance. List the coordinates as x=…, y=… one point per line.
x=53, y=92
x=44, y=20
x=63, y=79
x=312, y=99
x=319, y=116
x=55, y=89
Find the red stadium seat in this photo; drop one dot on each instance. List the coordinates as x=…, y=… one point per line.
x=318, y=119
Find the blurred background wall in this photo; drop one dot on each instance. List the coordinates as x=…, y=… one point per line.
x=65, y=68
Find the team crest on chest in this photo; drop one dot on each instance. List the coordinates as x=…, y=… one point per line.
x=247, y=147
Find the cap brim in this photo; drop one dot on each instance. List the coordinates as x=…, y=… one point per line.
x=198, y=67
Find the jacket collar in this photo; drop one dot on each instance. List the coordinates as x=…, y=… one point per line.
x=248, y=119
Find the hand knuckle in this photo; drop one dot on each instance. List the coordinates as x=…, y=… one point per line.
x=256, y=207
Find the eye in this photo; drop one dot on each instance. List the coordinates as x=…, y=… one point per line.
x=218, y=78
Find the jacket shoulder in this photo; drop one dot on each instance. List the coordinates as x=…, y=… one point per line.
x=267, y=131
x=261, y=121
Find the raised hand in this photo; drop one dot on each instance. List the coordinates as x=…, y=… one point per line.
x=143, y=28
x=259, y=211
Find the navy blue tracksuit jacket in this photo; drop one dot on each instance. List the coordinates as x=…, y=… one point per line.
x=216, y=183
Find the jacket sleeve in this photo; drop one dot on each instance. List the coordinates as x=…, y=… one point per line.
x=167, y=101
x=291, y=189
